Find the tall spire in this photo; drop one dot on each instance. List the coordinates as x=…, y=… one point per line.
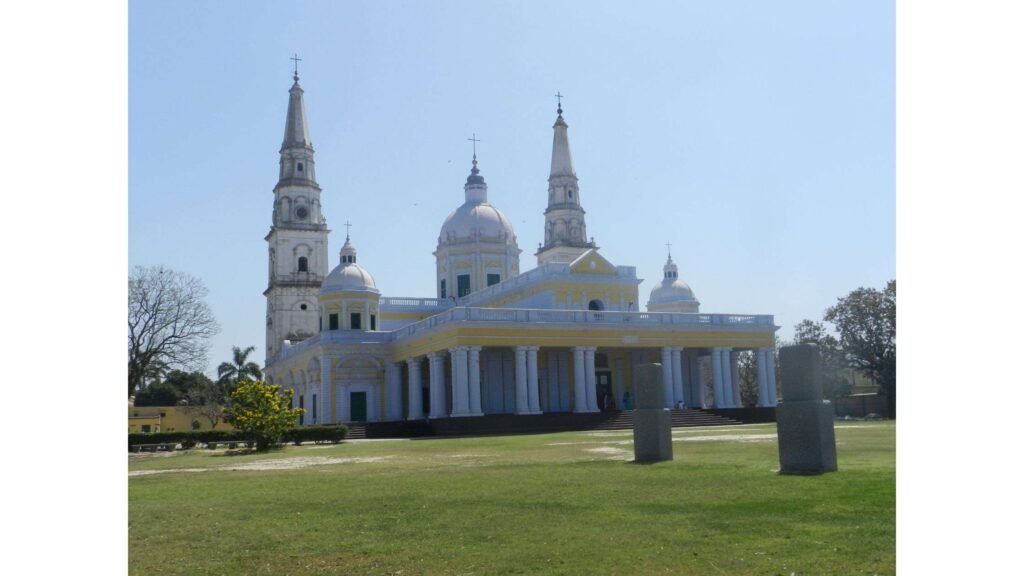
x=297, y=165
x=296, y=132
x=565, y=227
x=561, y=155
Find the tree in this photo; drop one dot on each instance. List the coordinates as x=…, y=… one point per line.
x=262, y=411
x=833, y=358
x=208, y=400
x=168, y=322
x=174, y=390
x=866, y=323
x=749, y=391
x=240, y=368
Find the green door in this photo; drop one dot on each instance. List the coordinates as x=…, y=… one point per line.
x=358, y=400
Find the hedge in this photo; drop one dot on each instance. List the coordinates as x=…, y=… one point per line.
x=188, y=439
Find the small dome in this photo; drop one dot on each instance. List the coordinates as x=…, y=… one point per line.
x=476, y=219
x=672, y=289
x=348, y=276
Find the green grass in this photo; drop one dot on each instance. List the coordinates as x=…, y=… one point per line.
x=520, y=505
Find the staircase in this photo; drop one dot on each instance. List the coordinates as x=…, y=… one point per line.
x=356, y=431
x=504, y=424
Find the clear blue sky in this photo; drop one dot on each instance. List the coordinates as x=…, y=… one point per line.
x=757, y=138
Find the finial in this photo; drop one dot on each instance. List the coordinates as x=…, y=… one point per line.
x=474, y=140
x=669, y=245
x=296, y=59
x=348, y=229
x=559, y=95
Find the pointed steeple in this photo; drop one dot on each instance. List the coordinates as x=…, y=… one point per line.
x=297, y=166
x=296, y=132
x=561, y=154
x=565, y=227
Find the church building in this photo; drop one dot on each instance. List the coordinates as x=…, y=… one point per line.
x=564, y=336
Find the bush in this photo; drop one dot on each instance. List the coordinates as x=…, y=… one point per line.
x=262, y=411
x=316, y=434
x=190, y=439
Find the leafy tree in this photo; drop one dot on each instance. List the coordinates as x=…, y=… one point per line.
x=262, y=411
x=168, y=322
x=833, y=358
x=208, y=399
x=866, y=323
x=748, y=378
x=240, y=368
x=157, y=394
x=175, y=389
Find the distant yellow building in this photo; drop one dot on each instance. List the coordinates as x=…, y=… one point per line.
x=153, y=419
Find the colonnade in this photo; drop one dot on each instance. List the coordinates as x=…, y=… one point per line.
x=680, y=379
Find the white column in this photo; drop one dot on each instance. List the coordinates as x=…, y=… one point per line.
x=474, y=381
x=723, y=359
x=532, y=390
x=666, y=376
x=415, y=389
x=677, y=374
x=762, y=378
x=393, y=377
x=344, y=412
x=522, y=396
x=323, y=413
x=734, y=375
x=588, y=359
x=460, y=381
x=770, y=366
x=437, y=393
x=716, y=377
x=580, y=379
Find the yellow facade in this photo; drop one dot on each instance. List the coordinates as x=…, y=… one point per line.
x=169, y=419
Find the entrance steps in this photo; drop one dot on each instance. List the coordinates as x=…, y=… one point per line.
x=504, y=424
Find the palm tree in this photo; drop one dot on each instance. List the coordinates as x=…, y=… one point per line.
x=239, y=368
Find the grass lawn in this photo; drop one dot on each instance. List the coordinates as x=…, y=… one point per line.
x=567, y=503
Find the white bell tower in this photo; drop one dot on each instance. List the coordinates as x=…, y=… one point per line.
x=565, y=226
x=298, y=235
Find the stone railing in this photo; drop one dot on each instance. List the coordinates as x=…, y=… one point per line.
x=413, y=302
x=540, y=316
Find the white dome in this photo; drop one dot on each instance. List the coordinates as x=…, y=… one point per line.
x=349, y=277
x=473, y=221
x=671, y=290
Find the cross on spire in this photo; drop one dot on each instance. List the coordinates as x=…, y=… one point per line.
x=474, y=141
x=559, y=95
x=296, y=59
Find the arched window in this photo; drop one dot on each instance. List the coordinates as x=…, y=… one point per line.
x=300, y=167
x=596, y=305
x=303, y=264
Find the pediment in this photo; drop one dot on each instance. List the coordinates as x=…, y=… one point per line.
x=590, y=262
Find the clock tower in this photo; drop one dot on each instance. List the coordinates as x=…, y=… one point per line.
x=298, y=235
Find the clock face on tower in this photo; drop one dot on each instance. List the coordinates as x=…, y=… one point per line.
x=301, y=212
